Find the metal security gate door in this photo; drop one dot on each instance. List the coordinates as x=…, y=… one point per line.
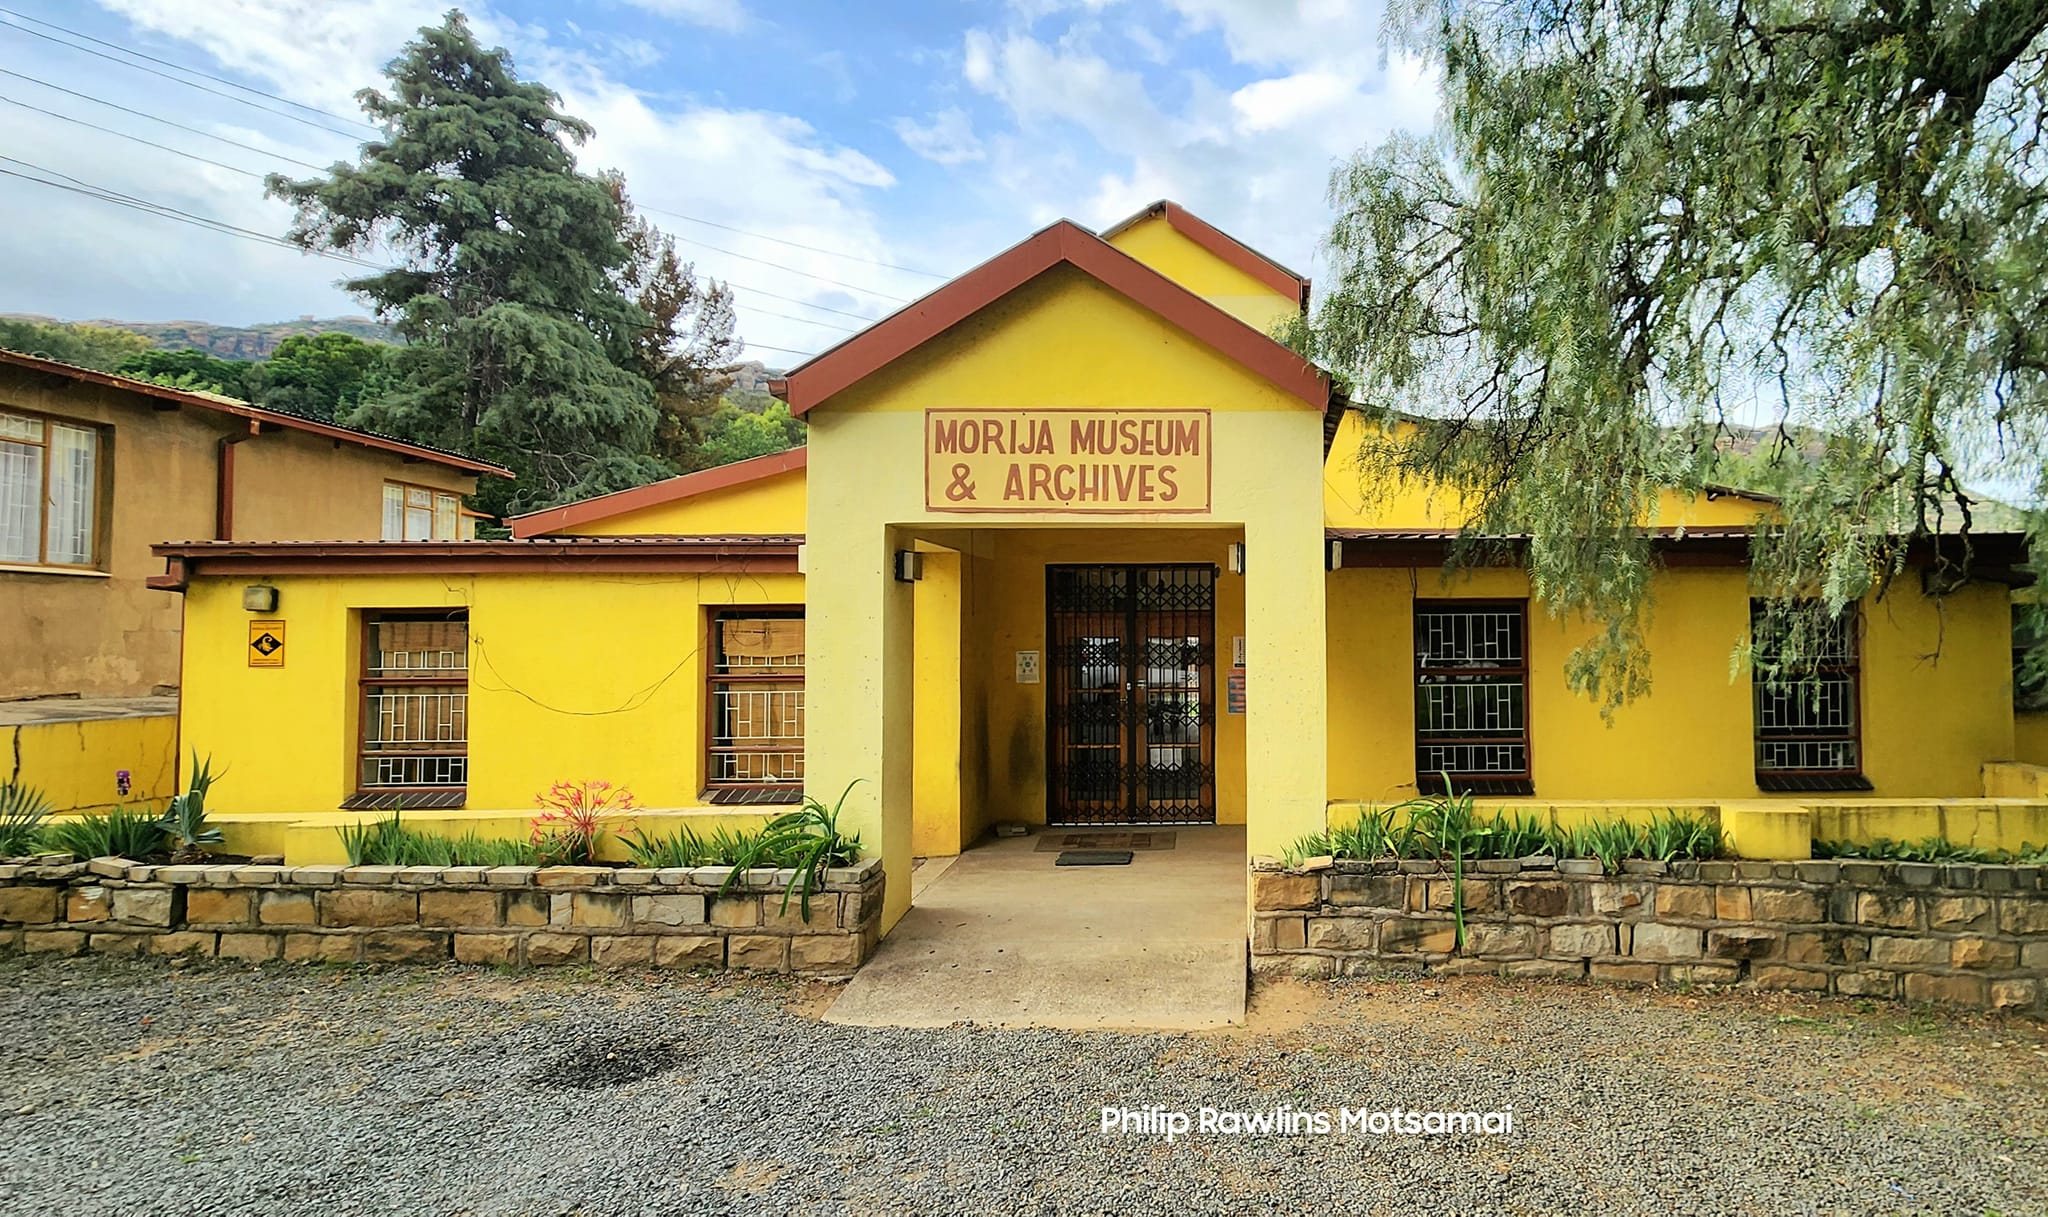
x=1131, y=731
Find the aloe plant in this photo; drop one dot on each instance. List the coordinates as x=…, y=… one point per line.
x=184, y=821
x=22, y=812
x=807, y=841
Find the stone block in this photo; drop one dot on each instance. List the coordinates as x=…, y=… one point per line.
x=368, y=906
x=1949, y=990
x=549, y=950
x=598, y=910
x=622, y=951
x=456, y=907
x=1290, y=933
x=692, y=951
x=375, y=876
x=1869, y=983
x=1500, y=940
x=511, y=876
x=824, y=954
x=2034, y=956
x=320, y=948
x=1742, y=942
x=1623, y=973
x=53, y=942
x=1280, y=891
x=669, y=908
x=1460, y=965
x=1731, y=903
x=1892, y=909
x=287, y=908
x=1909, y=952
x=757, y=952
x=1352, y=891
x=1821, y=872
x=1863, y=874
x=219, y=906
x=251, y=948
x=1629, y=900
x=1342, y=933
x=459, y=875
x=2023, y=915
x=1777, y=976
x=1786, y=905
x=2019, y=994
x=1685, y=900
x=406, y=946
x=181, y=875
x=420, y=876
x=117, y=944
x=486, y=948
x=735, y=911
x=573, y=876
x=824, y=913
x=1545, y=969
x=260, y=876
x=1413, y=935
x=1958, y=913
x=315, y=876
x=633, y=876
x=1699, y=973
x=107, y=868
x=1997, y=878
x=183, y=942
x=1651, y=940
x=151, y=906
x=527, y=908
x=1983, y=953
x=82, y=904
x=1959, y=874
x=1539, y=897
x=1581, y=940
x=28, y=905
x=1919, y=874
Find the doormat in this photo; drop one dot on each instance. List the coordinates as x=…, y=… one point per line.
x=1094, y=857
x=1053, y=840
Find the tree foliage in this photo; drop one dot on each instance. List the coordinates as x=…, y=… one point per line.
x=324, y=376
x=194, y=370
x=1642, y=220
x=735, y=433
x=101, y=348
x=519, y=339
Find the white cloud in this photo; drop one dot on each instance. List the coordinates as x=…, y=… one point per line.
x=948, y=139
x=1282, y=101
x=711, y=14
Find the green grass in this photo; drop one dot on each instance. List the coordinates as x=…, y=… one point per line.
x=389, y=842
x=119, y=833
x=1448, y=829
x=1928, y=849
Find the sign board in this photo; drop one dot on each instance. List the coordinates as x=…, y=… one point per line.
x=1233, y=691
x=1237, y=651
x=266, y=644
x=1078, y=462
x=1027, y=667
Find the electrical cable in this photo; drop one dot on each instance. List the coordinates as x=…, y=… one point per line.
x=114, y=105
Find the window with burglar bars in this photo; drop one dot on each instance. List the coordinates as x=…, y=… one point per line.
x=415, y=689
x=49, y=492
x=1807, y=731
x=756, y=701
x=1472, y=696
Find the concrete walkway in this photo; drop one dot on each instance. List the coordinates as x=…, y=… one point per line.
x=1002, y=937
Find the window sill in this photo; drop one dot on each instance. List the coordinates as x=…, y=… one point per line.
x=1801, y=783
x=1483, y=787
x=445, y=799
x=753, y=796
x=73, y=572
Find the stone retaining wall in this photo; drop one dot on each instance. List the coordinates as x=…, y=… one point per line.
x=1968, y=935
x=518, y=915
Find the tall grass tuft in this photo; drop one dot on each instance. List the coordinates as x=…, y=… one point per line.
x=119, y=833
x=22, y=812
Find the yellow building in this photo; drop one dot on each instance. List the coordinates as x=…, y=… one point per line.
x=1074, y=541
x=94, y=468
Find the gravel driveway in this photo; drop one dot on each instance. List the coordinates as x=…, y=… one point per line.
x=141, y=1087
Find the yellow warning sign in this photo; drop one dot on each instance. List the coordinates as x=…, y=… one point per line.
x=266, y=644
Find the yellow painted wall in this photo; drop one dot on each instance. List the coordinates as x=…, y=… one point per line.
x=1360, y=495
x=767, y=505
x=1160, y=246
x=74, y=763
x=571, y=677
x=1929, y=724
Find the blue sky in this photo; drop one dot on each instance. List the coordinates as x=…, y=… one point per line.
x=901, y=137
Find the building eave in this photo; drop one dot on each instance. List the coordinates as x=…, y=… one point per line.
x=656, y=494
x=734, y=554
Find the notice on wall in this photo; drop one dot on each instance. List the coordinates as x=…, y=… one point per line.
x=1233, y=691
x=1093, y=462
x=266, y=644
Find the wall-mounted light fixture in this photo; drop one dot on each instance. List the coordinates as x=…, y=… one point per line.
x=259, y=598
x=909, y=566
x=1333, y=555
x=803, y=559
x=1236, y=557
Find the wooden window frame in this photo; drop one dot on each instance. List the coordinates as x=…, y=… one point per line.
x=96, y=560
x=435, y=494
x=1815, y=780
x=444, y=796
x=716, y=791
x=1494, y=783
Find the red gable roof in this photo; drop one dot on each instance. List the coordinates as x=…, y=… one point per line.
x=669, y=490
x=1223, y=245
x=1064, y=243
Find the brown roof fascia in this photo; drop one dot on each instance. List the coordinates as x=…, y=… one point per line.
x=910, y=327
x=579, y=555
x=1994, y=557
x=259, y=417
x=1224, y=246
x=654, y=494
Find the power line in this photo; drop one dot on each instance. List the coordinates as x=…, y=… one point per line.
x=129, y=50
x=830, y=325
x=112, y=105
x=190, y=84
x=147, y=143
x=865, y=291
x=762, y=236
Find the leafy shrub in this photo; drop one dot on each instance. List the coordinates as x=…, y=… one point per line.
x=22, y=812
x=184, y=821
x=720, y=846
x=806, y=841
x=119, y=833
x=1446, y=828
x=1928, y=849
x=388, y=842
x=565, y=833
